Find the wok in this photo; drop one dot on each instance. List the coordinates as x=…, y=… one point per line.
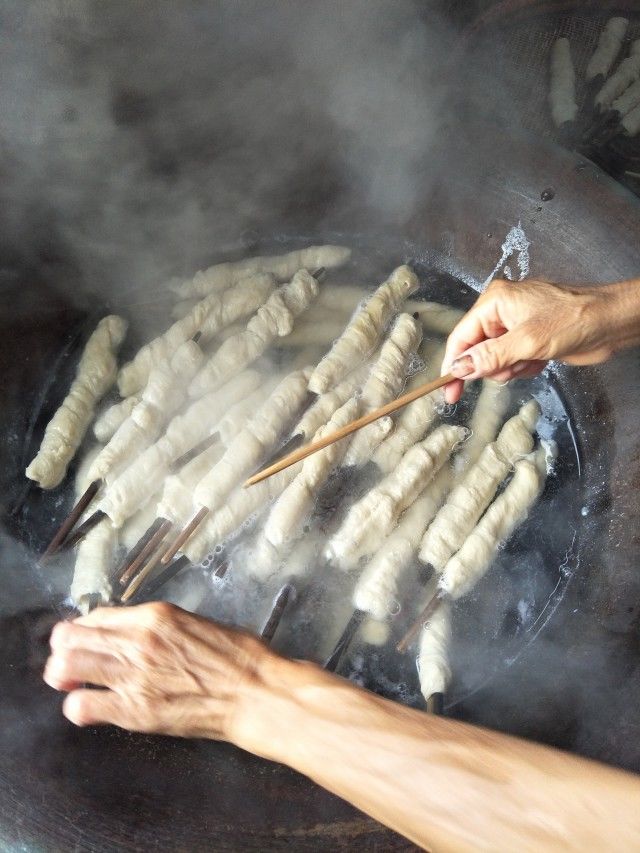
x=574, y=684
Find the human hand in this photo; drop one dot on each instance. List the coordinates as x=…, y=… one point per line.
x=514, y=328
x=164, y=670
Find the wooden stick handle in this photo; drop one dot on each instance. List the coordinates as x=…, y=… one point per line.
x=365, y=420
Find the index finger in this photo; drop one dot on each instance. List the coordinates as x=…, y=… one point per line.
x=481, y=321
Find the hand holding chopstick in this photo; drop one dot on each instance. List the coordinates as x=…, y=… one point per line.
x=388, y=409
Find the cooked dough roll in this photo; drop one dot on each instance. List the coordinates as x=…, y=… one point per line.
x=340, y=299
x=164, y=393
x=92, y=571
x=221, y=276
x=364, y=331
x=488, y=415
x=295, y=504
x=108, y=422
x=235, y=419
x=240, y=505
x=626, y=73
x=608, y=48
x=506, y=513
x=376, y=591
x=374, y=516
x=275, y=318
x=319, y=412
x=434, y=671
x=435, y=317
x=473, y=495
x=562, y=91
x=414, y=420
x=631, y=122
x=95, y=375
x=629, y=99
x=207, y=317
x=82, y=481
x=385, y=381
x=258, y=437
x=139, y=523
x=145, y=475
x=176, y=502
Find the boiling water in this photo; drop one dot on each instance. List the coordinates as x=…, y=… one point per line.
x=491, y=626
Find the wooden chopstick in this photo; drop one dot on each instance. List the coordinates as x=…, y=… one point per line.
x=393, y=406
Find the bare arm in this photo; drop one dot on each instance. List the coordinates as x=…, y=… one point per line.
x=514, y=328
x=446, y=785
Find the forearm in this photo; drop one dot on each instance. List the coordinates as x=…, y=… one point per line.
x=444, y=784
x=615, y=309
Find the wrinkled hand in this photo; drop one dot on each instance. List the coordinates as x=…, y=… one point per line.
x=164, y=670
x=514, y=328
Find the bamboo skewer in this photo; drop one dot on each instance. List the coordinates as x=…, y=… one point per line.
x=195, y=451
x=141, y=576
x=134, y=552
x=286, y=593
x=333, y=661
x=416, y=626
x=435, y=704
x=184, y=534
x=67, y=525
x=80, y=532
x=354, y=426
x=152, y=544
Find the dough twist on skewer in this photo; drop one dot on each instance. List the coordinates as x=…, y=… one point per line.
x=473, y=495
x=221, y=276
x=374, y=516
x=364, y=331
x=66, y=429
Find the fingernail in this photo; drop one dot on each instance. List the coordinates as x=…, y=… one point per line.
x=462, y=366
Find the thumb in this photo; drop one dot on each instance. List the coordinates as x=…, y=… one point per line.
x=491, y=356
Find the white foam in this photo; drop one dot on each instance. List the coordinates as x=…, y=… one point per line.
x=516, y=246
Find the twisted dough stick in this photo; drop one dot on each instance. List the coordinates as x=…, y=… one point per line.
x=434, y=671
x=240, y=505
x=562, y=92
x=377, y=587
x=257, y=438
x=221, y=276
x=472, y=496
x=385, y=381
x=164, y=393
x=319, y=413
x=207, y=317
x=364, y=331
x=275, y=318
x=66, y=429
x=506, y=513
x=176, y=501
x=626, y=73
x=433, y=316
x=608, y=47
x=108, y=421
x=374, y=516
x=135, y=485
x=414, y=421
x=295, y=504
x=488, y=415
x=91, y=574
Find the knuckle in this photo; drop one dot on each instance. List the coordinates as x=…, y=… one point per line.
x=61, y=633
x=157, y=614
x=487, y=358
